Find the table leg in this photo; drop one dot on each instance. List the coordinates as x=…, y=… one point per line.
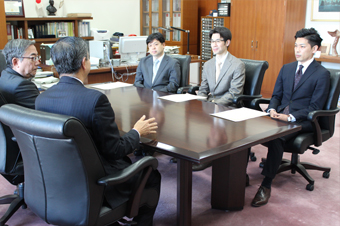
x=228, y=181
x=184, y=192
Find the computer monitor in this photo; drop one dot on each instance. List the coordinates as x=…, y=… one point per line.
x=132, y=48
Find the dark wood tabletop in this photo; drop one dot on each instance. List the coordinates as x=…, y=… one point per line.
x=187, y=131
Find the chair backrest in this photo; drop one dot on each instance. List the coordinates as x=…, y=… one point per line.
x=328, y=123
x=61, y=163
x=9, y=149
x=184, y=62
x=2, y=61
x=255, y=70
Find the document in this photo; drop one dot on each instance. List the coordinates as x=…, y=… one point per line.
x=239, y=114
x=182, y=97
x=111, y=85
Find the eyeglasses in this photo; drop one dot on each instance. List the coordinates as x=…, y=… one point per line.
x=32, y=58
x=217, y=41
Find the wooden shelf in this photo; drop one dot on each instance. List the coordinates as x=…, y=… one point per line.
x=48, y=18
x=330, y=59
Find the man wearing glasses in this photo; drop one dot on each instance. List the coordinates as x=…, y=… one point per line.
x=22, y=62
x=158, y=71
x=224, y=75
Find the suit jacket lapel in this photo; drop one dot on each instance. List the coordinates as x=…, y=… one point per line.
x=310, y=70
x=149, y=64
x=162, y=66
x=291, y=78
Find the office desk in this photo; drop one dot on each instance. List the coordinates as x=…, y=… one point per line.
x=187, y=131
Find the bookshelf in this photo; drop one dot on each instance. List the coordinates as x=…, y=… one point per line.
x=181, y=14
x=26, y=23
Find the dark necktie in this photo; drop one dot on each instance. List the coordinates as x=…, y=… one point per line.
x=298, y=76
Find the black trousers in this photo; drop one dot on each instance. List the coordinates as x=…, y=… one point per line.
x=146, y=213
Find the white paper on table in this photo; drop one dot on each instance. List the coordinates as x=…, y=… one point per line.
x=182, y=97
x=111, y=85
x=239, y=114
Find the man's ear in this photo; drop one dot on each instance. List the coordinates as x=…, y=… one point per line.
x=227, y=43
x=83, y=63
x=15, y=62
x=315, y=48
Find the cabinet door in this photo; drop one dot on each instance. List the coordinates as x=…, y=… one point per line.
x=154, y=16
x=242, y=27
x=269, y=38
x=176, y=19
x=149, y=16
x=145, y=17
x=166, y=19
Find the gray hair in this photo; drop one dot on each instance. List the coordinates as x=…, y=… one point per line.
x=68, y=53
x=16, y=48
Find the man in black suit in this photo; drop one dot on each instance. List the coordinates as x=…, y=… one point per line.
x=158, y=71
x=301, y=87
x=70, y=97
x=22, y=62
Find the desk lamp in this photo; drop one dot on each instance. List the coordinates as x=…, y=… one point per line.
x=178, y=29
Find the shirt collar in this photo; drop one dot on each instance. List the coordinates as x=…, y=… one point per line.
x=223, y=59
x=160, y=59
x=76, y=79
x=305, y=65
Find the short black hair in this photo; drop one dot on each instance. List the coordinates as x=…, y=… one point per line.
x=223, y=31
x=68, y=53
x=158, y=36
x=311, y=35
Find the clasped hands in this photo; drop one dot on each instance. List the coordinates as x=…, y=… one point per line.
x=275, y=115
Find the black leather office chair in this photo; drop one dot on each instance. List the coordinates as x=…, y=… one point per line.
x=184, y=62
x=11, y=168
x=255, y=70
x=2, y=61
x=64, y=176
x=323, y=123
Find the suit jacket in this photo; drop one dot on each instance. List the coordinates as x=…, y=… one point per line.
x=17, y=89
x=93, y=109
x=71, y=97
x=310, y=94
x=230, y=81
x=167, y=78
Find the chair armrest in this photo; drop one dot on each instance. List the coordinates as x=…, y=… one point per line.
x=238, y=98
x=312, y=116
x=129, y=172
x=255, y=104
x=193, y=89
x=183, y=89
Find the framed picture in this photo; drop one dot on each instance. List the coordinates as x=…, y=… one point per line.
x=325, y=10
x=324, y=48
x=14, y=8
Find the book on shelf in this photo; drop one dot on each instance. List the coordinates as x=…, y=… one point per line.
x=9, y=31
x=79, y=15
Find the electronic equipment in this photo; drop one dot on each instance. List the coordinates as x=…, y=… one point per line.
x=132, y=48
x=100, y=34
x=101, y=50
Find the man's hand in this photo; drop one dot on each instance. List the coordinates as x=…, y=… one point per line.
x=145, y=127
x=275, y=115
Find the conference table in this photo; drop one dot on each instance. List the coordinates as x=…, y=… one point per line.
x=188, y=132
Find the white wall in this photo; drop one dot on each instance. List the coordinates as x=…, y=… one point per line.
x=323, y=27
x=114, y=15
